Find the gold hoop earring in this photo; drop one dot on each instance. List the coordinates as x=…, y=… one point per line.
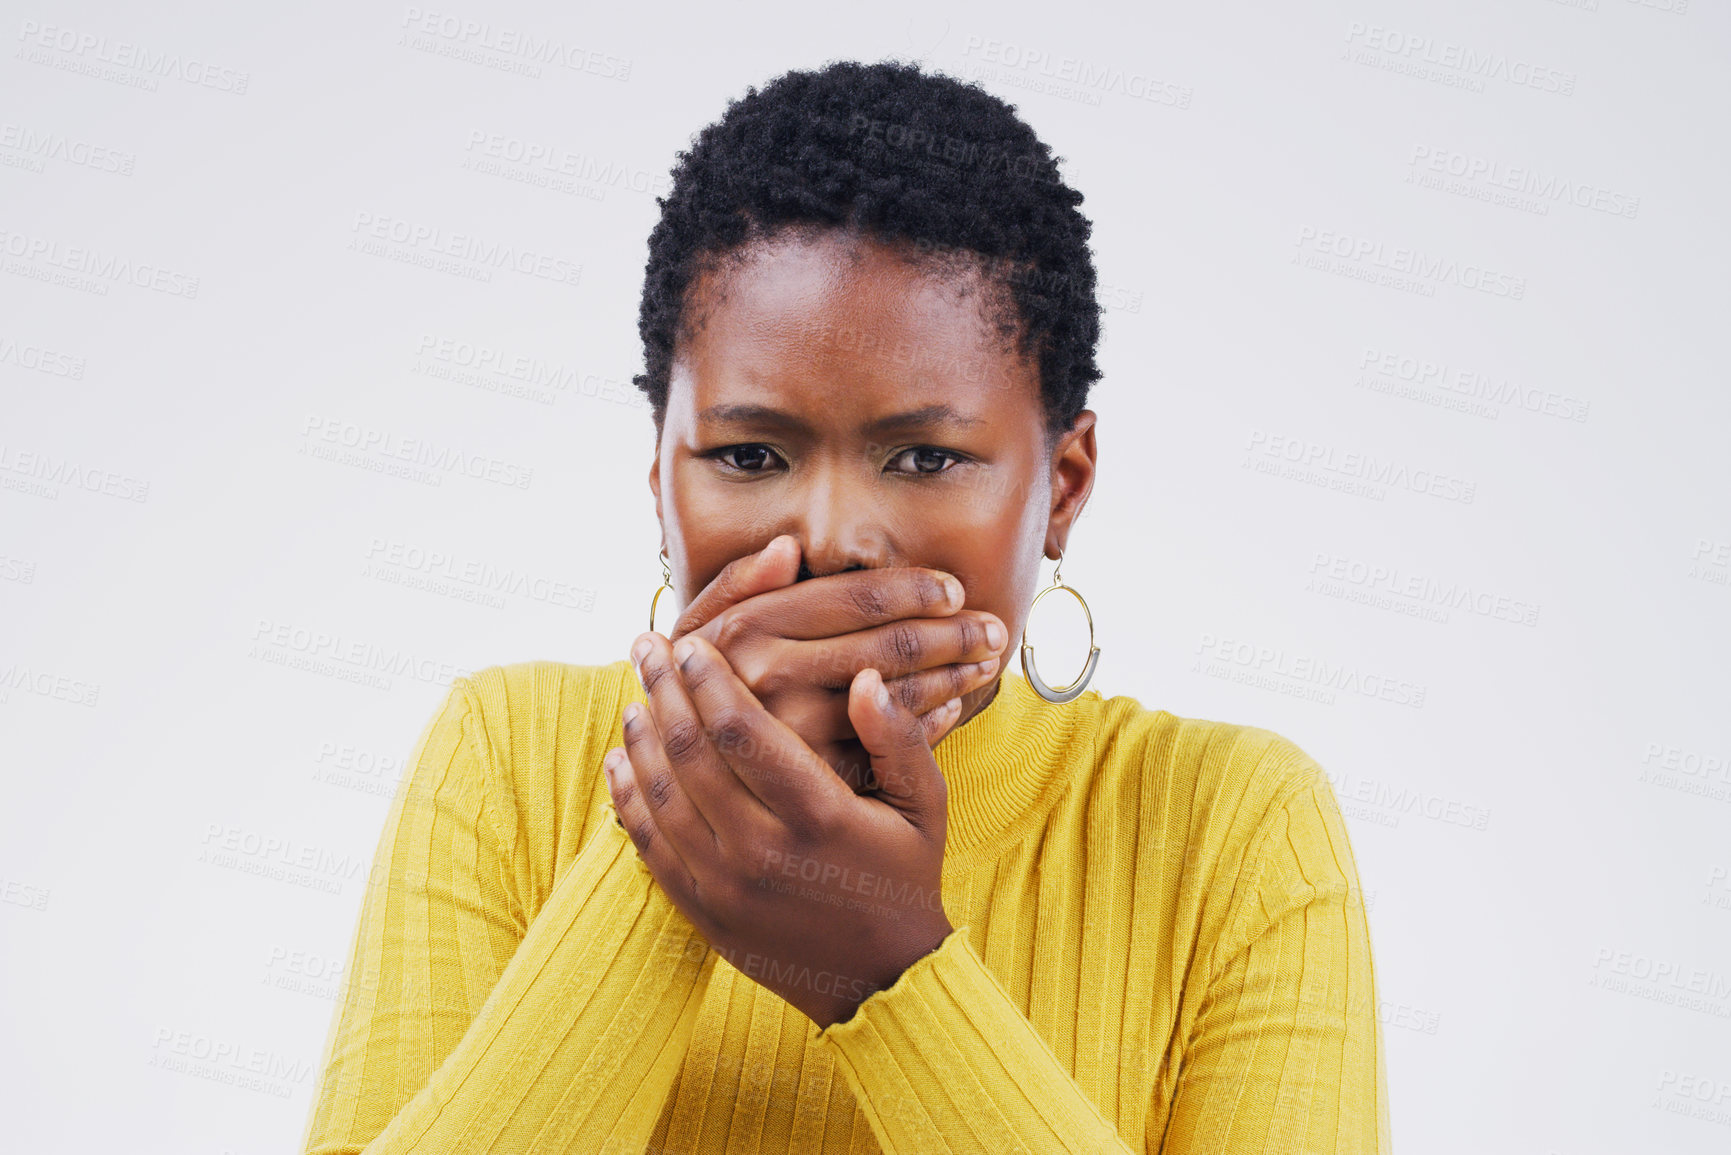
x=666, y=584
x=1074, y=689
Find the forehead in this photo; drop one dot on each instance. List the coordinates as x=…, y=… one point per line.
x=836, y=323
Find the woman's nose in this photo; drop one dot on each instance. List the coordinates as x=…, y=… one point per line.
x=838, y=529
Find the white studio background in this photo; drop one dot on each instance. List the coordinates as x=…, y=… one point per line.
x=1412, y=448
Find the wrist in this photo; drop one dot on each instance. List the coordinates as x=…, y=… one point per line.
x=842, y=1007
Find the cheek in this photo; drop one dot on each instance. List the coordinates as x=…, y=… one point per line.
x=705, y=533
x=988, y=554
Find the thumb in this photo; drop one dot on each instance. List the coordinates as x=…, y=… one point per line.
x=903, y=771
x=770, y=568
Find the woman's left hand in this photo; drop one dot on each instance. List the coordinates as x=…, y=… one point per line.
x=817, y=893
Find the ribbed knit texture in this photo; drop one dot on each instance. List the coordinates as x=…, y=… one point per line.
x=1160, y=946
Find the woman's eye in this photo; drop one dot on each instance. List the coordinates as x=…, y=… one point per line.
x=924, y=455
x=751, y=457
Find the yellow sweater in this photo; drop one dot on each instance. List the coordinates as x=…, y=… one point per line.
x=1160, y=946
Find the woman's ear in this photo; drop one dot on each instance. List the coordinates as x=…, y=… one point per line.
x=655, y=479
x=1073, y=463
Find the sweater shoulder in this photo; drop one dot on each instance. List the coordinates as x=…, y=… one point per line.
x=543, y=727
x=1212, y=797
x=1226, y=780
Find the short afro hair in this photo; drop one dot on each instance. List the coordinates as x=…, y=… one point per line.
x=931, y=165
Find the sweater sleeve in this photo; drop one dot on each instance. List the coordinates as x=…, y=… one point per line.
x=942, y=1060
x=1286, y=1053
x=460, y=1028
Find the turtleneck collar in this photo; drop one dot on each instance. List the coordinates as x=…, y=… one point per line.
x=997, y=767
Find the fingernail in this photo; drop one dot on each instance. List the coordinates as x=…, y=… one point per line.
x=631, y=713
x=780, y=547
x=683, y=651
x=640, y=651
x=953, y=591
x=953, y=706
x=883, y=693
x=986, y=666
x=996, y=635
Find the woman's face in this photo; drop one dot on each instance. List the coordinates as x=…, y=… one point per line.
x=868, y=407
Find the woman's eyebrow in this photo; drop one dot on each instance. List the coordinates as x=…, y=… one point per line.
x=748, y=414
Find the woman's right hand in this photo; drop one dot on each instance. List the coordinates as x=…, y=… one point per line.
x=798, y=645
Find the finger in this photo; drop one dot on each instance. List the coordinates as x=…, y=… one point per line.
x=946, y=648
x=926, y=690
x=909, y=646
x=773, y=761
x=896, y=650
x=903, y=771
x=939, y=720
x=708, y=807
x=667, y=720
x=772, y=567
x=639, y=823
x=842, y=603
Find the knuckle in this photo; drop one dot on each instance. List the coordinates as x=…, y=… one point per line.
x=660, y=790
x=732, y=730
x=904, y=645
x=812, y=826
x=907, y=691
x=624, y=794
x=731, y=627
x=654, y=670
x=722, y=588
x=759, y=676
x=682, y=738
x=971, y=633
x=868, y=598
x=733, y=573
